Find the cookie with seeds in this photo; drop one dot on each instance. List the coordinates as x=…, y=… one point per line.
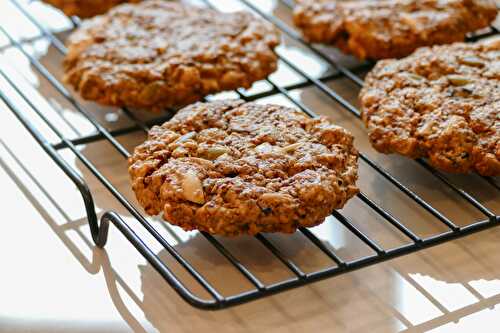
x=231, y=168
x=159, y=54
x=86, y=8
x=391, y=28
x=441, y=103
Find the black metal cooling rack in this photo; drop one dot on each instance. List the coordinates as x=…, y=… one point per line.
x=99, y=228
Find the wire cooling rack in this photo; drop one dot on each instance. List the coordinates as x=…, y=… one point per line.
x=99, y=226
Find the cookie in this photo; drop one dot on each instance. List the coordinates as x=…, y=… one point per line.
x=86, y=8
x=159, y=54
x=391, y=28
x=441, y=103
x=232, y=168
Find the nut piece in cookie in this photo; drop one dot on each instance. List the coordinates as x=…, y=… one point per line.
x=441, y=103
x=86, y=8
x=159, y=54
x=232, y=168
x=391, y=28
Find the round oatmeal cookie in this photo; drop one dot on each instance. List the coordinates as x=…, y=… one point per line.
x=232, y=168
x=442, y=103
x=159, y=54
x=391, y=28
x=86, y=8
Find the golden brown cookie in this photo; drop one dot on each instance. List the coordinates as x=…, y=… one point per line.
x=442, y=103
x=232, y=168
x=382, y=29
x=86, y=8
x=159, y=54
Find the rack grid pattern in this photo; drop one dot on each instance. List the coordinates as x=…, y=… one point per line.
x=99, y=227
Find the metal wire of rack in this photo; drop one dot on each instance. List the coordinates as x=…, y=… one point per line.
x=99, y=228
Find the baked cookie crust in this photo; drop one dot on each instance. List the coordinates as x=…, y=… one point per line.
x=232, y=168
x=86, y=8
x=383, y=29
x=441, y=103
x=159, y=54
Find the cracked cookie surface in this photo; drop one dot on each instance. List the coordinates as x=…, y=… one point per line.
x=383, y=29
x=232, y=168
x=441, y=103
x=159, y=54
